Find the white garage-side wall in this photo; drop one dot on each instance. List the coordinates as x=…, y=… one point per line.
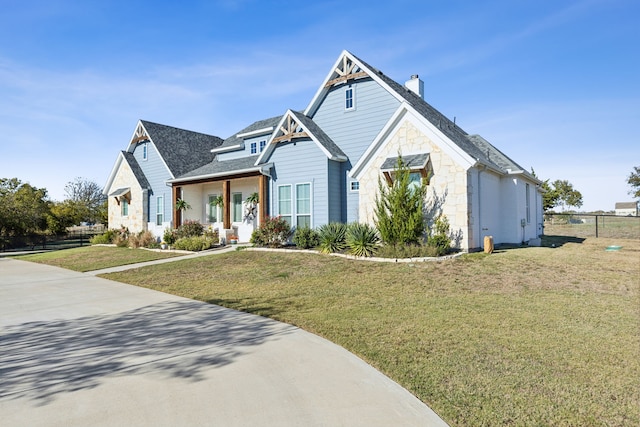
x=448, y=184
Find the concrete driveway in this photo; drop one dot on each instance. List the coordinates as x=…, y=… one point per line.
x=78, y=350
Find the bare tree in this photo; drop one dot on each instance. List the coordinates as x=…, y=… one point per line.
x=87, y=197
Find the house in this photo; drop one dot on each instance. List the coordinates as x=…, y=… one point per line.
x=137, y=190
x=627, y=209
x=323, y=164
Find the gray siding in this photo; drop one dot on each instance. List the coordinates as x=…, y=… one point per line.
x=299, y=163
x=354, y=130
x=157, y=175
x=247, y=148
x=336, y=189
x=351, y=204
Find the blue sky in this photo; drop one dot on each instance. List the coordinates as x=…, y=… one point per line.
x=553, y=84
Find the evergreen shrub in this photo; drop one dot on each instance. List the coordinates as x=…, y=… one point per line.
x=306, y=238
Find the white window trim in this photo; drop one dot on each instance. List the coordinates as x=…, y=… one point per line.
x=208, y=208
x=233, y=206
x=355, y=181
x=145, y=151
x=158, y=210
x=262, y=145
x=294, y=206
x=353, y=97
x=122, y=205
x=291, y=201
x=253, y=147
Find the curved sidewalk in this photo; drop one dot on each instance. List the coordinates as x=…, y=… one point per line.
x=80, y=350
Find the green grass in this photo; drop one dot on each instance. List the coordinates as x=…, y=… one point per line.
x=525, y=336
x=90, y=258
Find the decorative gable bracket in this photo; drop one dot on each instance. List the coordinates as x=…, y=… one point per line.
x=140, y=135
x=344, y=72
x=291, y=130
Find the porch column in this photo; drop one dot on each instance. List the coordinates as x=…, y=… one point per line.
x=226, y=194
x=177, y=215
x=262, y=197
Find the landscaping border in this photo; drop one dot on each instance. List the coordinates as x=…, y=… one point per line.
x=357, y=258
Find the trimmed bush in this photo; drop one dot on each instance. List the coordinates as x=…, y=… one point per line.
x=332, y=237
x=189, y=229
x=105, y=238
x=195, y=243
x=306, y=238
x=362, y=239
x=274, y=232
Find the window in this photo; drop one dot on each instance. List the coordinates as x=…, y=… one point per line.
x=348, y=98
x=236, y=205
x=303, y=205
x=355, y=186
x=144, y=151
x=284, y=202
x=159, y=210
x=415, y=180
x=254, y=148
x=124, y=206
x=212, y=211
x=528, y=203
x=263, y=144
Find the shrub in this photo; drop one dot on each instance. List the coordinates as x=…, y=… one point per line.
x=189, y=229
x=143, y=239
x=439, y=238
x=362, y=239
x=332, y=237
x=121, y=238
x=169, y=236
x=195, y=243
x=399, y=207
x=212, y=234
x=104, y=238
x=273, y=232
x=306, y=238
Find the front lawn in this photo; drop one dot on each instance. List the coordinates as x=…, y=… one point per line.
x=531, y=336
x=91, y=258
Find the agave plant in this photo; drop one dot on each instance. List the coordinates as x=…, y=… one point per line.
x=362, y=239
x=332, y=237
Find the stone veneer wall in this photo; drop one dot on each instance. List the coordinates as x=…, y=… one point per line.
x=135, y=221
x=449, y=180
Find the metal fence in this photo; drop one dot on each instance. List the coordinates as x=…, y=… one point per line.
x=37, y=242
x=591, y=225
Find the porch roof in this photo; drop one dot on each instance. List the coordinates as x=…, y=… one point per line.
x=120, y=192
x=412, y=161
x=226, y=168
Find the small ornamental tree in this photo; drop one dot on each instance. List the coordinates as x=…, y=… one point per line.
x=399, y=208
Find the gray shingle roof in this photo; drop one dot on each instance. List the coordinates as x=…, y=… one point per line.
x=412, y=161
x=137, y=170
x=322, y=137
x=182, y=150
x=221, y=167
x=474, y=145
x=260, y=124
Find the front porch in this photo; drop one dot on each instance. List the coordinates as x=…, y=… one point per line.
x=221, y=203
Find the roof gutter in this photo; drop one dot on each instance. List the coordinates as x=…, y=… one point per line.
x=228, y=148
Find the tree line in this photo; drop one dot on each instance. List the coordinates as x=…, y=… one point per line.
x=28, y=210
